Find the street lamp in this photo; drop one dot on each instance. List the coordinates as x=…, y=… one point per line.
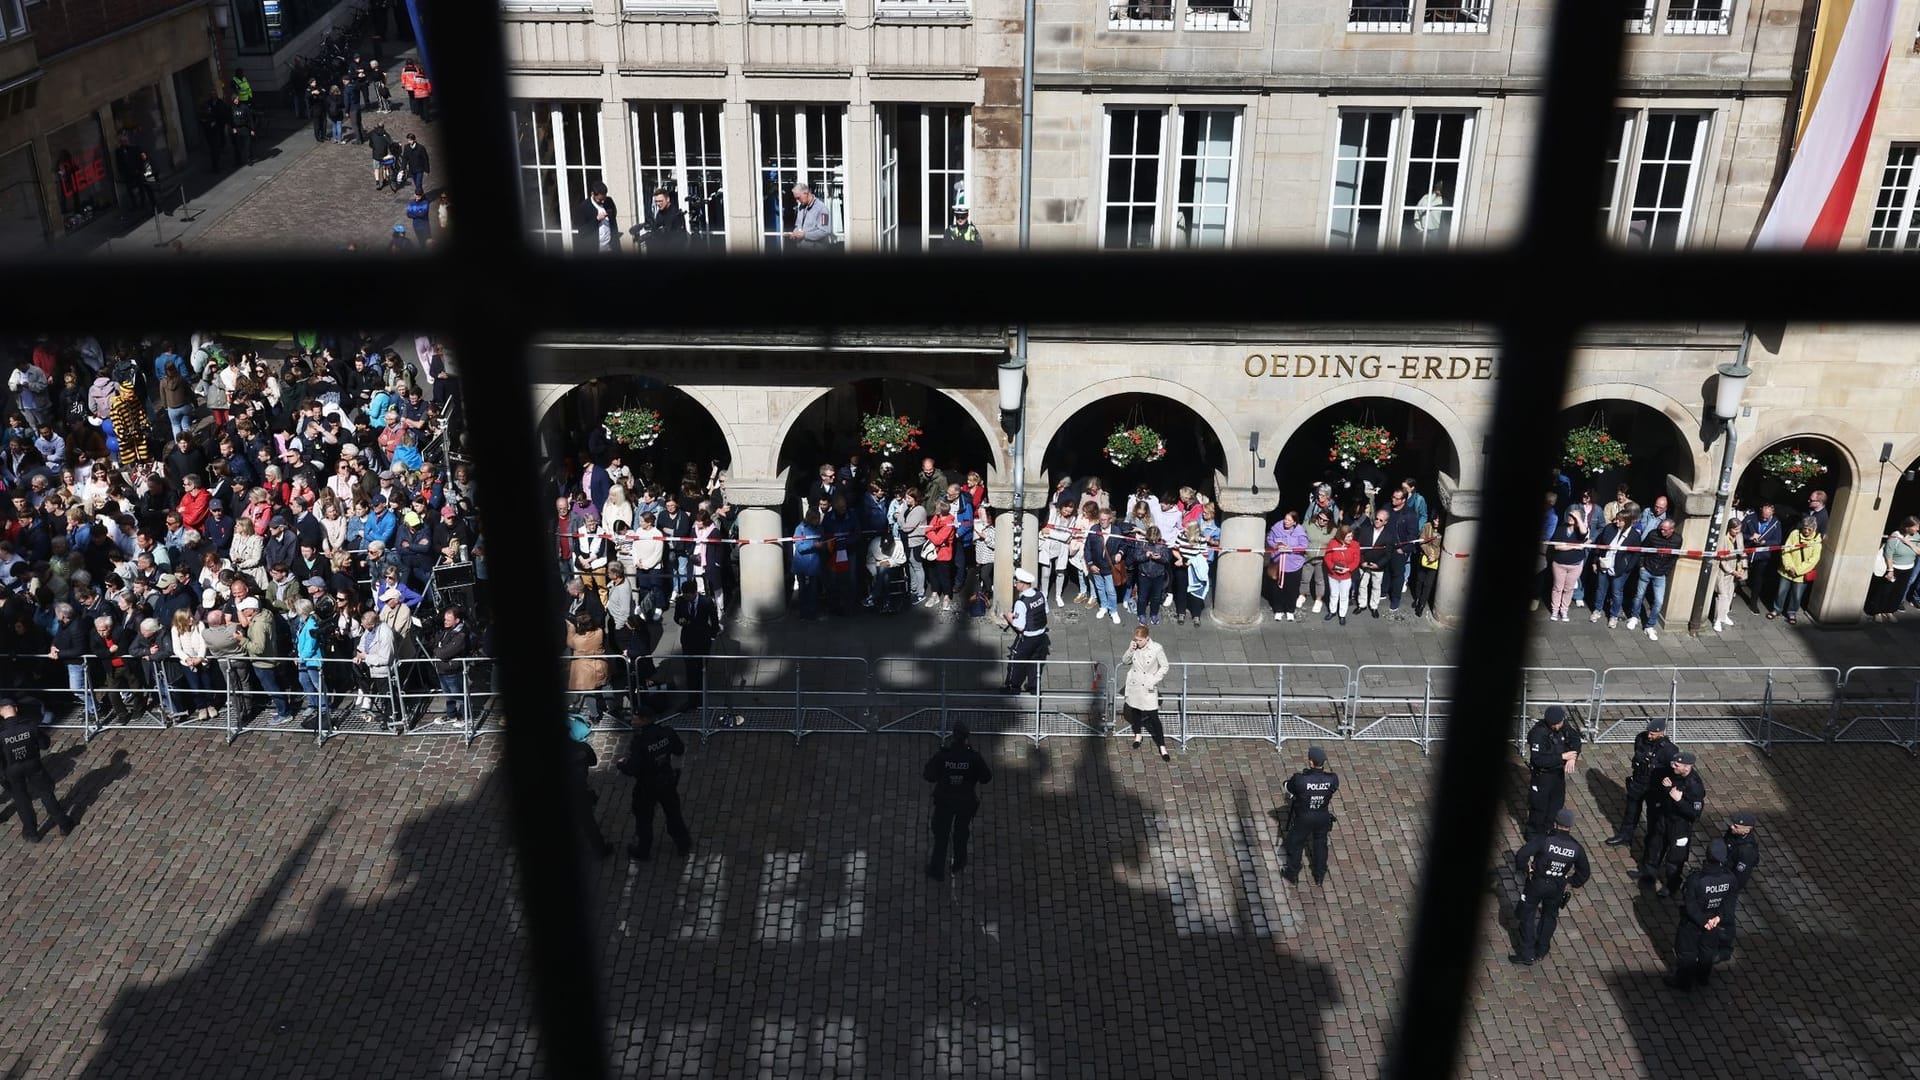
x=1727, y=392
x=1013, y=381
x=1732, y=385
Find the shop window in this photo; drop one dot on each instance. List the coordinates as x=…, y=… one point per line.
x=925, y=152
x=82, y=173
x=139, y=115
x=23, y=222
x=1401, y=168
x=1896, y=213
x=677, y=148
x=800, y=144
x=557, y=146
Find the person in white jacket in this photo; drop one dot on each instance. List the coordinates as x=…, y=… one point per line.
x=375, y=655
x=1146, y=664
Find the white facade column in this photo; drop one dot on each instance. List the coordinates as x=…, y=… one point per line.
x=1236, y=595
x=763, y=566
x=1462, y=531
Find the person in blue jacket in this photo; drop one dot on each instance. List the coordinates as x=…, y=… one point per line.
x=309, y=643
x=807, y=546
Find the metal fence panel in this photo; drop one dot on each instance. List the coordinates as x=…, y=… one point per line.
x=1758, y=706
x=1401, y=703
x=1269, y=702
x=1571, y=688
x=928, y=695
x=1879, y=705
x=798, y=695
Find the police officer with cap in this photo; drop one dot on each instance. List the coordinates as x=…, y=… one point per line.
x=1677, y=805
x=21, y=741
x=1706, y=914
x=656, y=782
x=1028, y=621
x=1553, y=747
x=954, y=773
x=1552, y=866
x=580, y=760
x=1743, y=854
x=1310, y=815
x=1653, y=753
x=961, y=235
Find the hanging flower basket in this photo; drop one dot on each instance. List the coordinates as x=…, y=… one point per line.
x=889, y=435
x=1592, y=450
x=1131, y=445
x=1794, y=468
x=635, y=428
x=1354, y=443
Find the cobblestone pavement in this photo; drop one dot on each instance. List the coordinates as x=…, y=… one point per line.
x=270, y=908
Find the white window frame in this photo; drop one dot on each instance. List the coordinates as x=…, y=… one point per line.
x=646, y=8
x=1140, y=14
x=1629, y=202
x=1380, y=16
x=561, y=166
x=1230, y=16
x=1619, y=157
x=1898, y=201
x=1184, y=229
x=547, y=7
x=837, y=9
x=1159, y=158
x=829, y=183
x=1695, y=17
x=1399, y=166
x=13, y=20
x=680, y=170
x=1169, y=157
x=1643, y=22
x=923, y=9
x=1456, y=16
x=935, y=187
x=937, y=213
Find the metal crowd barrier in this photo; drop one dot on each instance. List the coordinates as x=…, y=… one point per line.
x=797, y=695
x=928, y=695
x=1759, y=706
x=1879, y=705
x=1400, y=703
x=1268, y=702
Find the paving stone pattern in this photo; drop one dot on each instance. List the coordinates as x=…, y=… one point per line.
x=273, y=908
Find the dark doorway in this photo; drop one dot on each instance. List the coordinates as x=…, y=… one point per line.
x=1423, y=451
x=1756, y=487
x=1657, y=449
x=690, y=440
x=828, y=433
x=1194, y=455
x=1906, y=498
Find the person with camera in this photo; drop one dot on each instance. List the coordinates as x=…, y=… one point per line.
x=664, y=232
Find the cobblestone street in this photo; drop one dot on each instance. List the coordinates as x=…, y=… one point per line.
x=270, y=908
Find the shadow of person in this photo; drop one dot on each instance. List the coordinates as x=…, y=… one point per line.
x=1519, y=787
x=88, y=789
x=1610, y=796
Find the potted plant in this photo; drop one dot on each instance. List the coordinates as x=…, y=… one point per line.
x=1793, y=467
x=1592, y=450
x=1354, y=443
x=888, y=435
x=635, y=428
x=1128, y=445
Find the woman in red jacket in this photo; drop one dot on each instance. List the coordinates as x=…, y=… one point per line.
x=1341, y=560
x=193, y=502
x=941, y=532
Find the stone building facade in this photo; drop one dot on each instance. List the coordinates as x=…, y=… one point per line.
x=1172, y=123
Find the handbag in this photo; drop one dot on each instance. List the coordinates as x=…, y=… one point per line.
x=1119, y=572
x=1880, y=567
x=930, y=552
x=1812, y=573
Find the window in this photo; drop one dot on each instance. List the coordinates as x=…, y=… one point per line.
x=925, y=154
x=1639, y=16
x=833, y=8
x=1219, y=14
x=1378, y=16
x=922, y=9
x=1202, y=184
x=800, y=144
x=13, y=20
x=549, y=6
x=23, y=222
x=678, y=148
x=1139, y=14
x=1671, y=146
x=1698, y=16
x=557, y=145
x=1380, y=153
x=1896, y=213
x=1619, y=145
x=1457, y=16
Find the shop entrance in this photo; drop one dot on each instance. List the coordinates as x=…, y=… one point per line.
x=828, y=432
x=1422, y=450
x=1194, y=457
x=689, y=447
x=1656, y=447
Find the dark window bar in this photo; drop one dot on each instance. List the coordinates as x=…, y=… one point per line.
x=1140, y=15
x=487, y=285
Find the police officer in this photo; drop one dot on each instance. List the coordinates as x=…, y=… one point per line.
x=1553, y=746
x=1310, y=815
x=21, y=741
x=1028, y=620
x=581, y=759
x=1706, y=912
x=961, y=235
x=1653, y=753
x=954, y=773
x=1552, y=865
x=655, y=783
x=1743, y=854
x=1677, y=804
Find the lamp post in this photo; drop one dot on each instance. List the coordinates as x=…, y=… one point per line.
x=1013, y=386
x=222, y=18
x=1727, y=392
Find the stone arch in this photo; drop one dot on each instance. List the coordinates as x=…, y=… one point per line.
x=1842, y=435
x=548, y=398
x=1042, y=434
x=1305, y=410
x=1686, y=421
x=989, y=429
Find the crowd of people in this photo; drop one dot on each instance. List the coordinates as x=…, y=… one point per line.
x=191, y=516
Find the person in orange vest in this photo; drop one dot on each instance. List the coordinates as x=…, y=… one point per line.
x=409, y=72
x=422, y=91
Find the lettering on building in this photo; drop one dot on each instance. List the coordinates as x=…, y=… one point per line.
x=1411, y=367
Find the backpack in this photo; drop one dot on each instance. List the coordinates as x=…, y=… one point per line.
x=977, y=605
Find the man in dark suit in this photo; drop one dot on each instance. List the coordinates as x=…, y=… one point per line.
x=597, y=222
x=699, y=621
x=665, y=231
x=594, y=482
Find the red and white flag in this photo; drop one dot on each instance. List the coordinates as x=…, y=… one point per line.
x=1811, y=208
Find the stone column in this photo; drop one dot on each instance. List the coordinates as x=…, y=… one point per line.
x=1683, y=590
x=763, y=567
x=1236, y=593
x=1002, y=560
x=1450, y=592
x=1839, y=594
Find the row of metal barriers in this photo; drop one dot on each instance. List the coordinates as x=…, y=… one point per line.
x=799, y=696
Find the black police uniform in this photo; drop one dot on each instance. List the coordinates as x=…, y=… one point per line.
x=1652, y=759
x=655, y=783
x=1551, y=865
x=1670, y=829
x=1743, y=854
x=1030, y=642
x=1547, y=787
x=1309, y=817
x=21, y=741
x=1710, y=891
x=581, y=759
x=955, y=772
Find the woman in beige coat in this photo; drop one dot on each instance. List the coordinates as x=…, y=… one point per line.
x=587, y=672
x=1146, y=664
x=1726, y=572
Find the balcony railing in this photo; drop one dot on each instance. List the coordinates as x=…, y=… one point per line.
x=1219, y=14
x=922, y=9
x=1457, y=16
x=1151, y=15
x=1639, y=16
x=1380, y=18
x=1699, y=19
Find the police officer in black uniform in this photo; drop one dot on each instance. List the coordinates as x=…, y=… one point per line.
x=1706, y=910
x=581, y=759
x=1310, y=815
x=1677, y=804
x=1743, y=854
x=1552, y=747
x=1653, y=752
x=655, y=783
x=1552, y=866
x=1028, y=620
x=954, y=773
x=21, y=741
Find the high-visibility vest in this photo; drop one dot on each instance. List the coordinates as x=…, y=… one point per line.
x=406, y=79
x=422, y=86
